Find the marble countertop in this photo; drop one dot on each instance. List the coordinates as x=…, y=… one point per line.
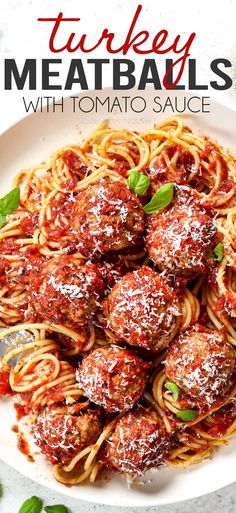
x=18, y=37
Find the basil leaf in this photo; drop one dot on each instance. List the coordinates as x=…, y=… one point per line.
x=58, y=508
x=186, y=415
x=32, y=505
x=2, y=219
x=10, y=201
x=138, y=182
x=133, y=179
x=142, y=185
x=172, y=387
x=161, y=199
x=218, y=252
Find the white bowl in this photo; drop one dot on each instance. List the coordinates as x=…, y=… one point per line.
x=33, y=140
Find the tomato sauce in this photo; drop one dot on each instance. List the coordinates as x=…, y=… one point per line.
x=4, y=382
x=222, y=419
x=25, y=406
x=61, y=213
x=76, y=167
x=162, y=173
x=23, y=447
x=121, y=168
x=9, y=247
x=4, y=269
x=29, y=223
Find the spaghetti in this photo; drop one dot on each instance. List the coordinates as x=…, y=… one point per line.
x=85, y=273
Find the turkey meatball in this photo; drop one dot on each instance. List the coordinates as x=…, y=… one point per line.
x=61, y=431
x=113, y=377
x=139, y=442
x=201, y=362
x=142, y=309
x=179, y=239
x=108, y=216
x=65, y=291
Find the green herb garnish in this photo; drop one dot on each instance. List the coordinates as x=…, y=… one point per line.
x=138, y=182
x=172, y=387
x=58, y=508
x=186, y=415
x=9, y=203
x=32, y=505
x=218, y=252
x=161, y=199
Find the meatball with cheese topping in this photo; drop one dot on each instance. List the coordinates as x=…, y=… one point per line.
x=61, y=431
x=142, y=310
x=140, y=442
x=66, y=291
x=108, y=216
x=179, y=240
x=201, y=362
x=113, y=377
